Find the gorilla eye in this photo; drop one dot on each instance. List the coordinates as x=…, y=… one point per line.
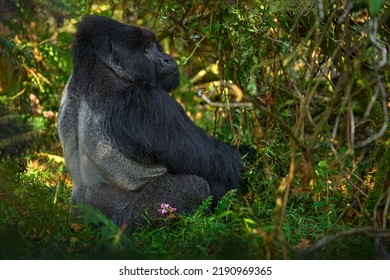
x=149, y=45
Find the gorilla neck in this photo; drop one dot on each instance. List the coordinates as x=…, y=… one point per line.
x=104, y=81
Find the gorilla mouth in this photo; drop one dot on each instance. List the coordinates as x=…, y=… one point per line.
x=170, y=74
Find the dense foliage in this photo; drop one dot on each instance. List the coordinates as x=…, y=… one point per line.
x=304, y=83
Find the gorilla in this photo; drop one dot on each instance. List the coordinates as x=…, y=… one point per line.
x=128, y=145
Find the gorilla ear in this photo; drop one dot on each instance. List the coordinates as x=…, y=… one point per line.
x=113, y=61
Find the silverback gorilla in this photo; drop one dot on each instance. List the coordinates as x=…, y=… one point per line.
x=128, y=145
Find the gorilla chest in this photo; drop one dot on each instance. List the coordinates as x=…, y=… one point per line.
x=99, y=156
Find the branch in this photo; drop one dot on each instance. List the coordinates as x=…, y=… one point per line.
x=283, y=125
x=369, y=231
x=221, y=104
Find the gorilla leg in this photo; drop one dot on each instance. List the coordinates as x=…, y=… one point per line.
x=112, y=201
x=184, y=192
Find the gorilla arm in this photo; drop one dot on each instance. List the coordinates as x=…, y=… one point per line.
x=156, y=130
x=90, y=156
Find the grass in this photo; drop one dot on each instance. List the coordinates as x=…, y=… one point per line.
x=36, y=224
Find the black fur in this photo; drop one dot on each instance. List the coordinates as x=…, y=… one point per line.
x=156, y=130
x=120, y=88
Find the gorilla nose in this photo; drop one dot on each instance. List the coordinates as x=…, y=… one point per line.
x=166, y=59
x=167, y=64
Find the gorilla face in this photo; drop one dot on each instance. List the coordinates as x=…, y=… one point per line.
x=132, y=53
x=166, y=67
x=166, y=64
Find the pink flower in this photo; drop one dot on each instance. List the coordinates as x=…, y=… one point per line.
x=164, y=205
x=166, y=209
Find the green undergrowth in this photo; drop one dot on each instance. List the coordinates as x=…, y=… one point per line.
x=35, y=223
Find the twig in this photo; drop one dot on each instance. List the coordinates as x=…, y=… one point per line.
x=282, y=199
x=373, y=26
x=380, y=88
x=197, y=45
x=346, y=168
x=283, y=126
x=386, y=210
x=221, y=104
x=380, y=233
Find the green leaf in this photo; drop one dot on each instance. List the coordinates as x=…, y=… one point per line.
x=204, y=207
x=374, y=6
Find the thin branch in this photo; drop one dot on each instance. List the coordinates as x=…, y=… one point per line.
x=221, y=104
x=372, y=138
x=283, y=126
x=283, y=192
x=386, y=210
x=380, y=88
x=369, y=231
x=373, y=26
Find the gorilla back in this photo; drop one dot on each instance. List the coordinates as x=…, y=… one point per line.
x=127, y=144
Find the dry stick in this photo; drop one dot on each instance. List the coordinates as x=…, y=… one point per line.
x=386, y=210
x=157, y=14
x=383, y=129
x=381, y=233
x=281, y=201
x=324, y=118
x=284, y=187
x=350, y=133
x=222, y=104
x=283, y=126
x=373, y=25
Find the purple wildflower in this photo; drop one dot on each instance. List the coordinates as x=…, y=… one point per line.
x=166, y=209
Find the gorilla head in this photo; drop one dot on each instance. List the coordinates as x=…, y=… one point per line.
x=131, y=53
x=128, y=145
